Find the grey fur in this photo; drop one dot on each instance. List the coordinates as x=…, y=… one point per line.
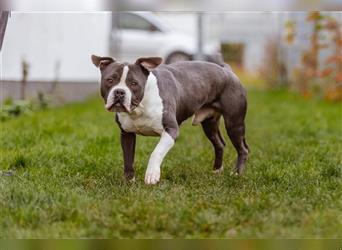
x=197, y=85
x=208, y=90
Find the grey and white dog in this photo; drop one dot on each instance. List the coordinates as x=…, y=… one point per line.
x=153, y=99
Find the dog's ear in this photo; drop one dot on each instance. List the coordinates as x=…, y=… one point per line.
x=149, y=63
x=101, y=62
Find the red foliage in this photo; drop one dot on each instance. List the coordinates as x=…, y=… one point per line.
x=326, y=72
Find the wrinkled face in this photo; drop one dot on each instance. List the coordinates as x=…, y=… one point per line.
x=123, y=84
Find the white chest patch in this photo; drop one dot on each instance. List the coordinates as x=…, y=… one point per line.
x=146, y=119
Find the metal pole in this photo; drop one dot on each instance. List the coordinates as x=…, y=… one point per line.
x=115, y=38
x=199, y=54
x=3, y=23
x=281, y=59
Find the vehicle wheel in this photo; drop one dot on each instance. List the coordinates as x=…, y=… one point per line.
x=177, y=57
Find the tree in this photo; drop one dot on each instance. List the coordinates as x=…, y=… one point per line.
x=313, y=77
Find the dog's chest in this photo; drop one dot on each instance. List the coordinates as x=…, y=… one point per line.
x=147, y=118
x=145, y=124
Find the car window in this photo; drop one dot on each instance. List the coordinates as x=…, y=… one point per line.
x=133, y=22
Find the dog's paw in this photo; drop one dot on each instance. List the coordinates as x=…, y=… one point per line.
x=132, y=180
x=218, y=171
x=234, y=173
x=129, y=177
x=152, y=176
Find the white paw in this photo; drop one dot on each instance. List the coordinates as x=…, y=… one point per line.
x=152, y=176
x=233, y=173
x=218, y=171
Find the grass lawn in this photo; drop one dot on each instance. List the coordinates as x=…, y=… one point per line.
x=67, y=176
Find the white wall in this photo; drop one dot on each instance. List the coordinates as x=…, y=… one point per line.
x=253, y=29
x=44, y=38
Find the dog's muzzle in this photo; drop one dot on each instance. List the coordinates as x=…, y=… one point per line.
x=118, y=100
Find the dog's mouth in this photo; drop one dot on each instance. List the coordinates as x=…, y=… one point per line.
x=117, y=106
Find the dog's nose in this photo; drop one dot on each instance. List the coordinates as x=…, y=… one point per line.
x=119, y=93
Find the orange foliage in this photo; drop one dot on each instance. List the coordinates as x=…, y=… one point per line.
x=326, y=72
x=309, y=76
x=313, y=16
x=333, y=94
x=333, y=59
x=338, y=77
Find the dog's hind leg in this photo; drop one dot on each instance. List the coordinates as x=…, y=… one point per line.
x=234, y=108
x=236, y=132
x=211, y=129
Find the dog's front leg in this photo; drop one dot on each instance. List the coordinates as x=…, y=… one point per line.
x=128, y=148
x=166, y=142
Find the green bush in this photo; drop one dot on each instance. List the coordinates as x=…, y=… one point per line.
x=13, y=108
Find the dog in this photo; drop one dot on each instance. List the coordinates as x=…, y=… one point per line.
x=153, y=99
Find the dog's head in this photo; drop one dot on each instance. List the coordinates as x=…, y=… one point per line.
x=123, y=84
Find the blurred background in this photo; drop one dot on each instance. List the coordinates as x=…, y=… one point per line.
x=46, y=55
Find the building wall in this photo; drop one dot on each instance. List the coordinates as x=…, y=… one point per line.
x=253, y=29
x=44, y=39
x=63, y=92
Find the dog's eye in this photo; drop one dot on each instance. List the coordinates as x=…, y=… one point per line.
x=134, y=83
x=110, y=81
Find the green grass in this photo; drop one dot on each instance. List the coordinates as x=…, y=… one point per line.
x=67, y=176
